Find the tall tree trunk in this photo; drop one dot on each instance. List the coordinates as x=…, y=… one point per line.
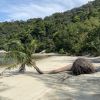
x=22, y=68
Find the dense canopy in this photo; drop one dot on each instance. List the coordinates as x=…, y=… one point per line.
x=74, y=32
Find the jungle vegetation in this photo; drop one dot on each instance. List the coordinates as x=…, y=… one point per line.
x=73, y=32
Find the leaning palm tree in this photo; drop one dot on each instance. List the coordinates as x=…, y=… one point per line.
x=22, y=53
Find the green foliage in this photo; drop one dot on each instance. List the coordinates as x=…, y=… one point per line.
x=61, y=51
x=93, y=41
x=21, y=50
x=76, y=31
x=76, y=18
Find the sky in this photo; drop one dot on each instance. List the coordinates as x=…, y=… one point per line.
x=26, y=9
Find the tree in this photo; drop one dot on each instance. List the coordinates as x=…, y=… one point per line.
x=21, y=51
x=93, y=41
x=67, y=30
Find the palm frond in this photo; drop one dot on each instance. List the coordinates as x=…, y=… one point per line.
x=19, y=57
x=14, y=45
x=13, y=59
x=33, y=45
x=20, y=53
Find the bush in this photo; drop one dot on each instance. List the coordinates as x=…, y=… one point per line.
x=61, y=51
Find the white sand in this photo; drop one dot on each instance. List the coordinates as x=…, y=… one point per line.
x=32, y=86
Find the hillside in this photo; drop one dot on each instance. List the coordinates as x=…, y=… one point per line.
x=76, y=31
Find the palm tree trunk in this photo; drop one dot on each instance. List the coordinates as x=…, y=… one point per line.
x=36, y=68
x=22, y=68
x=62, y=69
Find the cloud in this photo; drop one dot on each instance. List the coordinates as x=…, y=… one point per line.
x=33, y=9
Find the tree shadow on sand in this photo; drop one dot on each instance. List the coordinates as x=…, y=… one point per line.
x=83, y=87
x=64, y=86
x=4, y=87
x=4, y=98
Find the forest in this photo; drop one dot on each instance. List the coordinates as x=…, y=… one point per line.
x=74, y=32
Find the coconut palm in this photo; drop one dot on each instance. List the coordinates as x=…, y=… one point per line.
x=22, y=53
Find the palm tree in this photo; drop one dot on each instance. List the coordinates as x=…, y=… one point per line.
x=21, y=50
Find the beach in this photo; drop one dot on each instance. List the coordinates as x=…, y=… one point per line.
x=62, y=86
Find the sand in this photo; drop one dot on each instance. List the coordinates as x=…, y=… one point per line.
x=62, y=86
